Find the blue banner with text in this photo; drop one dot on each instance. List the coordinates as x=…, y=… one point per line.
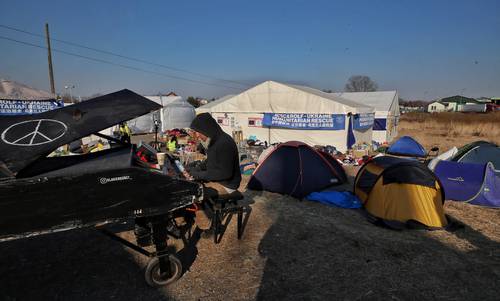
x=25, y=107
x=304, y=121
x=363, y=121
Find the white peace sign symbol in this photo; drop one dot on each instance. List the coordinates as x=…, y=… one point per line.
x=30, y=133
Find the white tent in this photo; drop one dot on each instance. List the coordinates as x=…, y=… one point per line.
x=175, y=113
x=277, y=112
x=386, y=104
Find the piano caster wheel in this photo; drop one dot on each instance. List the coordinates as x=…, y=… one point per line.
x=153, y=276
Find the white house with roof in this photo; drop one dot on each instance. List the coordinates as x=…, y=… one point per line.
x=278, y=112
x=386, y=104
x=456, y=103
x=437, y=106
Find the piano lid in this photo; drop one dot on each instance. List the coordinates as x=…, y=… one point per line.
x=24, y=139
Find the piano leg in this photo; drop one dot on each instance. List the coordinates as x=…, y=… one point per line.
x=160, y=239
x=165, y=268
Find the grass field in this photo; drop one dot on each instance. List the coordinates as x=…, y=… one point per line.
x=446, y=130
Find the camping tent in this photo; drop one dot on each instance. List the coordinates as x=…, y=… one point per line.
x=477, y=184
x=407, y=146
x=386, y=104
x=339, y=171
x=175, y=113
x=479, y=152
x=277, y=112
x=144, y=124
x=265, y=153
x=400, y=190
x=296, y=169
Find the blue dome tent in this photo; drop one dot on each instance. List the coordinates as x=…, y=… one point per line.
x=407, y=146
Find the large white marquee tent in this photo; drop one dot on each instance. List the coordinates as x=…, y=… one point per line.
x=311, y=111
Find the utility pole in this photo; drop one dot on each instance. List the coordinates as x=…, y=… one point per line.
x=49, y=57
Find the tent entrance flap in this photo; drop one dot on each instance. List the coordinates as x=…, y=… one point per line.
x=380, y=124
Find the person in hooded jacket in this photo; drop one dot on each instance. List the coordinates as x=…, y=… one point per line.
x=220, y=173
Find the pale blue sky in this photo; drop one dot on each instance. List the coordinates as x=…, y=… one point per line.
x=424, y=49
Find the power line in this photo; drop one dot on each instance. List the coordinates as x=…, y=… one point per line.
x=124, y=56
x=117, y=64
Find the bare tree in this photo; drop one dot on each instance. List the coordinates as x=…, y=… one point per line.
x=360, y=83
x=193, y=101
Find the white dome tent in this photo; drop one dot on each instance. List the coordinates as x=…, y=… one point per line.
x=176, y=113
x=143, y=124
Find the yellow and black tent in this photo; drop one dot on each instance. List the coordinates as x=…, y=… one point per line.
x=401, y=191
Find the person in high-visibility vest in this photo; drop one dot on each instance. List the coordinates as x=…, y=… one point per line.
x=172, y=143
x=125, y=132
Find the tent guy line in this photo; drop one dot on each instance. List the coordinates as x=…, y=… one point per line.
x=125, y=57
x=117, y=64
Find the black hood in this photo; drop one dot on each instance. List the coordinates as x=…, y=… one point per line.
x=206, y=124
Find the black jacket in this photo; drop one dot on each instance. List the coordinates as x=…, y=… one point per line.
x=222, y=164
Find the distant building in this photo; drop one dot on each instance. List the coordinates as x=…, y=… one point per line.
x=456, y=103
x=484, y=100
x=406, y=106
x=437, y=106
x=407, y=109
x=494, y=105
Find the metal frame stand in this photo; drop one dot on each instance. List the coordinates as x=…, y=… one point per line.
x=223, y=209
x=159, y=271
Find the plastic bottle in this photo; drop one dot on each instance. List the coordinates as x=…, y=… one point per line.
x=179, y=166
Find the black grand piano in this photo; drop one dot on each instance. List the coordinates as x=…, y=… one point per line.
x=40, y=194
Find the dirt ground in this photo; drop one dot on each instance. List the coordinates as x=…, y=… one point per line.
x=293, y=250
